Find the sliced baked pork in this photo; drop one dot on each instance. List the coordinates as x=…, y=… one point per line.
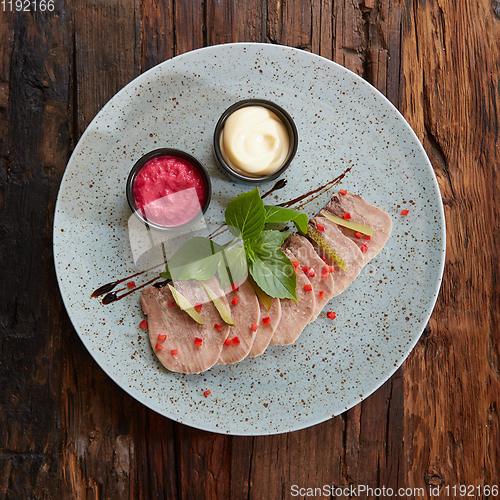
x=295, y=315
x=315, y=268
x=181, y=344
x=269, y=321
x=362, y=212
x=346, y=249
x=245, y=311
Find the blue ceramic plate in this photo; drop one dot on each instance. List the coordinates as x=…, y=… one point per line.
x=342, y=121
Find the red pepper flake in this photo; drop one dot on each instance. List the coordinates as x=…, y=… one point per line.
x=405, y=212
x=234, y=288
x=162, y=337
x=143, y=324
x=331, y=269
x=343, y=191
x=308, y=288
x=219, y=327
x=295, y=263
x=368, y=237
x=158, y=347
x=235, y=300
x=174, y=352
x=325, y=275
x=311, y=273
x=254, y=327
x=266, y=321
x=305, y=269
x=198, y=342
x=364, y=248
x=358, y=235
x=326, y=270
x=227, y=342
x=171, y=304
x=331, y=315
x=198, y=307
x=346, y=216
x=235, y=341
x=321, y=295
x=207, y=393
x=319, y=227
x=131, y=284
x=323, y=259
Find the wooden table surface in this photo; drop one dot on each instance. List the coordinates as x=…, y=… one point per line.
x=68, y=432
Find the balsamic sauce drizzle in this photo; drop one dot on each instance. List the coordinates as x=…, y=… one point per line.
x=323, y=188
x=110, y=296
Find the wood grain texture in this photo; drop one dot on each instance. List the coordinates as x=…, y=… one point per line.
x=95, y=414
x=34, y=142
x=452, y=102
x=67, y=431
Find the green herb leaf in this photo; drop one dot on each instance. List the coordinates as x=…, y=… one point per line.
x=355, y=226
x=166, y=274
x=278, y=215
x=220, y=305
x=198, y=258
x=268, y=242
x=233, y=267
x=185, y=305
x=274, y=274
x=245, y=215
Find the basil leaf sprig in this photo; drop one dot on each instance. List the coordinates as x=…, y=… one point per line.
x=246, y=216
x=281, y=214
x=270, y=268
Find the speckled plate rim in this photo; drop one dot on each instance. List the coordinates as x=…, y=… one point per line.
x=418, y=331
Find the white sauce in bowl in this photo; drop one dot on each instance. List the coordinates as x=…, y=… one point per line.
x=254, y=141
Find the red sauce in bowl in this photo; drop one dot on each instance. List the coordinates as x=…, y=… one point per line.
x=169, y=191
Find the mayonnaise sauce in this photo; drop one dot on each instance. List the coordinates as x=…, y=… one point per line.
x=254, y=141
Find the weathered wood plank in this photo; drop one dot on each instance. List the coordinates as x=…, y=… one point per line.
x=452, y=378
x=157, y=32
x=348, y=35
x=96, y=414
x=289, y=23
x=428, y=425
x=106, y=45
x=189, y=26
x=322, y=28
x=34, y=144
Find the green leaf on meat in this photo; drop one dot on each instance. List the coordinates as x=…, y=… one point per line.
x=233, y=267
x=198, y=258
x=279, y=215
x=275, y=274
x=245, y=215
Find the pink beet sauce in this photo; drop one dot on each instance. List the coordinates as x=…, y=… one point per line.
x=169, y=191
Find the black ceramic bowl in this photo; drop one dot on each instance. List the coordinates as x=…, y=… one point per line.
x=157, y=153
x=286, y=119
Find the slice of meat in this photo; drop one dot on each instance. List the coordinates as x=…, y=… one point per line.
x=363, y=213
x=309, y=259
x=244, y=313
x=294, y=315
x=266, y=332
x=181, y=330
x=347, y=250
